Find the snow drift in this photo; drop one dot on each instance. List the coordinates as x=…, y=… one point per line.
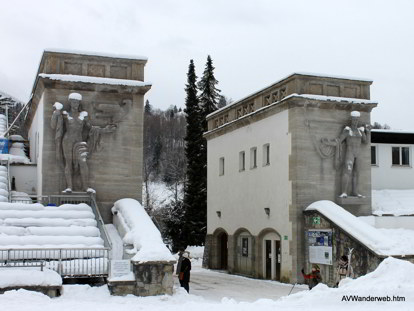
x=140, y=232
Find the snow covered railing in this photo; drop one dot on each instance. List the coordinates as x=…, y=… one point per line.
x=68, y=262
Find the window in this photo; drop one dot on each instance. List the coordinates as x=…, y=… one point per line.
x=266, y=154
x=242, y=161
x=221, y=166
x=374, y=155
x=245, y=247
x=401, y=156
x=253, y=157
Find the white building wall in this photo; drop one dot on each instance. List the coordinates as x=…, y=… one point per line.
x=36, y=143
x=384, y=175
x=242, y=196
x=25, y=177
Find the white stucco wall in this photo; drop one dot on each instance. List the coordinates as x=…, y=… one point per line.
x=25, y=177
x=384, y=175
x=36, y=143
x=390, y=222
x=242, y=196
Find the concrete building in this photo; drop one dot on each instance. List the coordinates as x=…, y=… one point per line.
x=111, y=89
x=270, y=155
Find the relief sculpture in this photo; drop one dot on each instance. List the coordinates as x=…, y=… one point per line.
x=77, y=139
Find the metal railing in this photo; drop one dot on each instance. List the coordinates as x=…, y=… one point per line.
x=68, y=262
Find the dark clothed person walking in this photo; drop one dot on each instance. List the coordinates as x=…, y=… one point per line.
x=185, y=272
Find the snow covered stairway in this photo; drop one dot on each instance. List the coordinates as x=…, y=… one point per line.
x=65, y=238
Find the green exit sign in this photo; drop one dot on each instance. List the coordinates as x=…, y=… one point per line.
x=316, y=220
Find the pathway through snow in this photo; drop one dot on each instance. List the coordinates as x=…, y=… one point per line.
x=215, y=285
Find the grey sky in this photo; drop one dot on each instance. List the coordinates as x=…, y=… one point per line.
x=252, y=43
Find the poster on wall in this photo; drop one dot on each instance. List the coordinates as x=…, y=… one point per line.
x=320, y=246
x=4, y=146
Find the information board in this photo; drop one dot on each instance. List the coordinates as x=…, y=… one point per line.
x=320, y=246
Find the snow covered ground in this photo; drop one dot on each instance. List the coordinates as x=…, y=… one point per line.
x=210, y=290
x=393, y=202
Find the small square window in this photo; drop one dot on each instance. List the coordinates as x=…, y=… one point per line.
x=253, y=157
x=400, y=156
x=221, y=166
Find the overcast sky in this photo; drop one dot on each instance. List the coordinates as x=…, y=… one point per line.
x=252, y=43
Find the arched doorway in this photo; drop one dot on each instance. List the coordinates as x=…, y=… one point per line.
x=272, y=258
x=222, y=240
x=244, y=246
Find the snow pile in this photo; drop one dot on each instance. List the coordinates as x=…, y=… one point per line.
x=16, y=138
x=96, y=80
x=196, y=252
x=393, y=202
x=16, y=152
x=15, y=277
x=4, y=184
x=140, y=232
x=392, y=278
x=37, y=226
x=377, y=240
x=3, y=125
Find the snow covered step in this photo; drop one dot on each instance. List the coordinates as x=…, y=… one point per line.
x=89, y=231
x=64, y=214
x=18, y=241
x=47, y=222
x=39, y=207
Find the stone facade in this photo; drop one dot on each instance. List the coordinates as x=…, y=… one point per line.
x=115, y=171
x=155, y=278
x=293, y=116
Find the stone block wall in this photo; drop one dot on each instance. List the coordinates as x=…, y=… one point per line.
x=363, y=259
x=151, y=279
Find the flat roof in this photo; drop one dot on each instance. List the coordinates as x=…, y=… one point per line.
x=319, y=75
x=90, y=53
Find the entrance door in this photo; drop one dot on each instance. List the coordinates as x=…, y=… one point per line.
x=278, y=259
x=272, y=258
x=223, y=251
x=268, y=256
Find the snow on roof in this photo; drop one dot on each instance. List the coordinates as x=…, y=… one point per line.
x=374, y=239
x=285, y=78
x=393, y=202
x=396, y=131
x=15, y=277
x=97, y=80
x=141, y=232
x=307, y=96
x=89, y=53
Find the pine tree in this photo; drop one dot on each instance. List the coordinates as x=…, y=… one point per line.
x=208, y=101
x=209, y=97
x=193, y=232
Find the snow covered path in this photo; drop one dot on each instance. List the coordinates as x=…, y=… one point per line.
x=214, y=286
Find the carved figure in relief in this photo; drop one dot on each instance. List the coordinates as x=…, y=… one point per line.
x=353, y=136
x=76, y=139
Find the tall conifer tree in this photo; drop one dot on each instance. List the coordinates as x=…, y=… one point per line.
x=193, y=232
x=209, y=98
